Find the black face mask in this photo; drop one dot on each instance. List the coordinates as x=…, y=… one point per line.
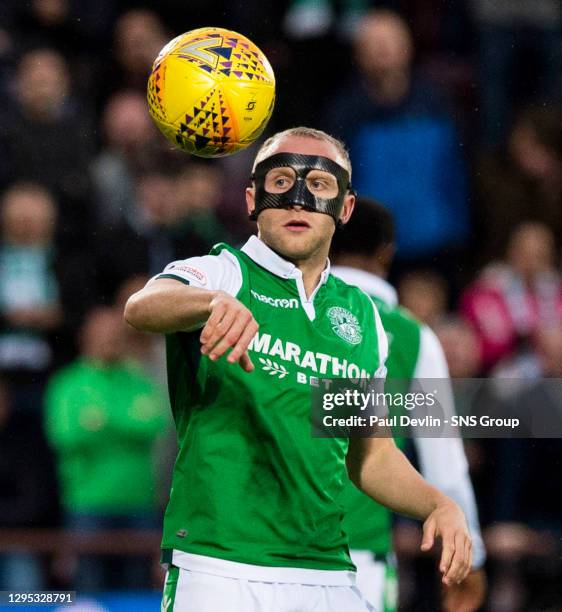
x=299, y=194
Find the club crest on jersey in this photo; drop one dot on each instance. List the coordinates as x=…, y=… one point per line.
x=345, y=324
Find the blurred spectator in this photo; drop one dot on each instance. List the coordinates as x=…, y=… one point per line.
x=462, y=352
x=460, y=345
x=70, y=26
x=235, y=175
x=404, y=147
x=312, y=18
x=511, y=300
x=424, y=293
x=79, y=30
x=130, y=149
x=29, y=291
x=43, y=86
x=528, y=507
x=147, y=241
x=28, y=491
x=199, y=191
x=103, y=416
x=43, y=292
x=138, y=37
x=49, y=23
x=519, y=58
x=549, y=351
x=7, y=52
x=48, y=139
x=148, y=350
x=524, y=182
x=28, y=287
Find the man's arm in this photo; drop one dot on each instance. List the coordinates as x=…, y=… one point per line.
x=382, y=471
x=167, y=305
x=443, y=464
x=442, y=460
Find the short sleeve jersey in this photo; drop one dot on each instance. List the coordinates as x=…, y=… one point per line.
x=251, y=484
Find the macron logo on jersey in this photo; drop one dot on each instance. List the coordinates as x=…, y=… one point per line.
x=275, y=302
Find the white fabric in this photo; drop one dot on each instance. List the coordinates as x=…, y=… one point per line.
x=231, y=569
x=274, y=263
x=200, y=592
x=442, y=460
x=370, y=283
x=213, y=272
x=370, y=577
x=222, y=271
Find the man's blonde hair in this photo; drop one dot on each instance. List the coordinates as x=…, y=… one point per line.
x=303, y=132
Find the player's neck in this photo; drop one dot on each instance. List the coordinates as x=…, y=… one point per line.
x=312, y=269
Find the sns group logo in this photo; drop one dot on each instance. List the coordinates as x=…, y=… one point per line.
x=345, y=324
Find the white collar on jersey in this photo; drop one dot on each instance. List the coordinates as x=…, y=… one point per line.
x=274, y=263
x=370, y=283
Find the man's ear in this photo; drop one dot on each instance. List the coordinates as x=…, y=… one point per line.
x=251, y=201
x=347, y=210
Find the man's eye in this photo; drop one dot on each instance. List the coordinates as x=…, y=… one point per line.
x=281, y=182
x=318, y=184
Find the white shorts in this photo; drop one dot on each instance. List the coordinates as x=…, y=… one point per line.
x=376, y=580
x=191, y=591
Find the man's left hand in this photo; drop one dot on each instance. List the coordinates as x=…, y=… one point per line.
x=468, y=596
x=447, y=522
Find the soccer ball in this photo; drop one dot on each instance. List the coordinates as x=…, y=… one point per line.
x=211, y=92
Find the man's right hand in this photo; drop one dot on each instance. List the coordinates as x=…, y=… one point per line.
x=230, y=325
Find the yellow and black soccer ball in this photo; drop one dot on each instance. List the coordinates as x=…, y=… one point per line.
x=211, y=92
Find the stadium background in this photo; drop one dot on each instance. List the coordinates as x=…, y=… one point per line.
x=463, y=141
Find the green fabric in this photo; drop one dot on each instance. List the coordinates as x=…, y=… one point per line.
x=102, y=421
x=170, y=588
x=390, y=588
x=404, y=333
x=368, y=524
x=250, y=483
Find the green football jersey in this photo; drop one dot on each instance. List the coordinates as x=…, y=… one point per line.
x=414, y=354
x=368, y=524
x=250, y=483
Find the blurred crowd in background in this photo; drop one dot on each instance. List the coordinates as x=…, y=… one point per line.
x=451, y=111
